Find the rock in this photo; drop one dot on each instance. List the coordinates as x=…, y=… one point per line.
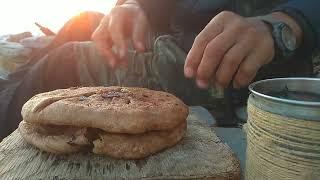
x=12, y=50
x=3, y=38
x=241, y=113
x=18, y=37
x=12, y=55
x=37, y=42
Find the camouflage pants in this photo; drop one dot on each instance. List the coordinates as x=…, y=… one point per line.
x=160, y=68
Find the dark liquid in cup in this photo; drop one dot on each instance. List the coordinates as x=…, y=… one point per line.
x=296, y=95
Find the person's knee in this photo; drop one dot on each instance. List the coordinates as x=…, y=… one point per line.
x=65, y=49
x=70, y=50
x=62, y=65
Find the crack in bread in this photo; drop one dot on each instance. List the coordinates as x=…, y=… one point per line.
x=69, y=139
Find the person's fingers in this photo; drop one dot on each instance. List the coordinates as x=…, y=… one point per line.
x=194, y=56
x=212, y=56
x=250, y=66
x=103, y=42
x=232, y=59
x=108, y=54
x=101, y=34
x=140, y=29
x=104, y=47
x=117, y=31
x=262, y=53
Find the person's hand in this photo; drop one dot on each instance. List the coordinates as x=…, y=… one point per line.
x=124, y=23
x=230, y=49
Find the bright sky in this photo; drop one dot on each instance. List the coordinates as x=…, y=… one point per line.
x=19, y=15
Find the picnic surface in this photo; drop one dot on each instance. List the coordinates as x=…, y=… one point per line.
x=200, y=155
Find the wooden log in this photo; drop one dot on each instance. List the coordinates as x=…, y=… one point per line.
x=200, y=155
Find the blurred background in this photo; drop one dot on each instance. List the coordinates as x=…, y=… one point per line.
x=18, y=16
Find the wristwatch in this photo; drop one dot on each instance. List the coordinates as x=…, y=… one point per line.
x=285, y=42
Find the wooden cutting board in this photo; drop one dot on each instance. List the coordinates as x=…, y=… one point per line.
x=200, y=155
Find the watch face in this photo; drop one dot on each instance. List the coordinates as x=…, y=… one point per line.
x=288, y=38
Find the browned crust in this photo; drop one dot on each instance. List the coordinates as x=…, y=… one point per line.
x=138, y=146
x=67, y=139
x=54, y=140
x=112, y=109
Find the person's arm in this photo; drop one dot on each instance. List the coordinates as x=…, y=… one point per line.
x=307, y=15
x=158, y=12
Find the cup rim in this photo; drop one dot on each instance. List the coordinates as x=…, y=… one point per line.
x=277, y=99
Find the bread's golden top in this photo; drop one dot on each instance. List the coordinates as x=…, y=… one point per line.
x=112, y=109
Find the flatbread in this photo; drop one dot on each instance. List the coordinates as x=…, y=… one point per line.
x=112, y=109
x=53, y=139
x=128, y=146
x=67, y=139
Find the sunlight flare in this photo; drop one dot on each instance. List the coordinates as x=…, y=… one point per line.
x=18, y=15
